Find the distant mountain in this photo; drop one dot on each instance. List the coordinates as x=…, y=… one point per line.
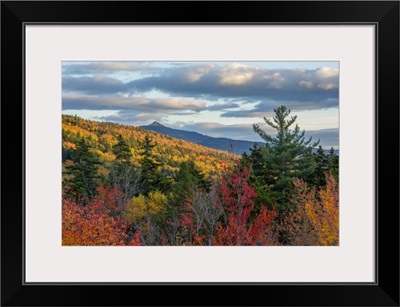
x=155, y=123
x=236, y=146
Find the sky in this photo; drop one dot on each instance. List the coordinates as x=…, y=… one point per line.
x=219, y=99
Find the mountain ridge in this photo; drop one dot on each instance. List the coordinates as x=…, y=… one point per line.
x=236, y=146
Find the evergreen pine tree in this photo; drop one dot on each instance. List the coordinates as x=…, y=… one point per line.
x=122, y=173
x=333, y=162
x=321, y=167
x=186, y=183
x=288, y=155
x=122, y=150
x=188, y=179
x=260, y=178
x=83, y=178
x=151, y=179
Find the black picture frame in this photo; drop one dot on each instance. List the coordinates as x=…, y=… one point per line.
x=383, y=14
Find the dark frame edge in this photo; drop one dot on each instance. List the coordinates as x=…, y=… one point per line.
x=388, y=87
x=10, y=287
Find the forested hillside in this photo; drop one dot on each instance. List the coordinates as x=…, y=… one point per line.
x=126, y=186
x=170, y=152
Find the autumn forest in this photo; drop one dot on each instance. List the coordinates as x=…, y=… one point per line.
x=123, y=185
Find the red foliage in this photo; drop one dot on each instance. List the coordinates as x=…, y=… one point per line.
x=110, y=199
x=261, y=232
x=237, y=198
x=97, y=223
x=89, y=225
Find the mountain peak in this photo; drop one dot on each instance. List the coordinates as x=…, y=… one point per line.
x=156, y=123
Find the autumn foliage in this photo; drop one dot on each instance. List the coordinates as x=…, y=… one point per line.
x=96, y=223
x=103, y=136
x=90, y=225
x=237, y=199
x=313, y=218
x=117, y=191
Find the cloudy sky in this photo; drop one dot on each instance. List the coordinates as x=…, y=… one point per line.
x=213, y=98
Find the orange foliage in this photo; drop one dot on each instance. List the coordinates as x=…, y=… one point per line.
x=89, y=225
x=69, y=145
x=314, y=215
x=330, y=221
x=97, y=223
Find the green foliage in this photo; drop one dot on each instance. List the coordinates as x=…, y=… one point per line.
x=186, y=182
x=286, y=156
x=82, y=173
x=122, y=151
x=325, y=164
x=333, y=162
x=190, y=177
x=152, y=178
x=260, y=178
x=321, y=168
x=122, y=173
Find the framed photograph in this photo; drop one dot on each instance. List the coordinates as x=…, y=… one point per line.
x=242, y=153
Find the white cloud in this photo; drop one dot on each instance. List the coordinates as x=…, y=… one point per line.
x=327, y=72
x=196, y=74
x=235, y=74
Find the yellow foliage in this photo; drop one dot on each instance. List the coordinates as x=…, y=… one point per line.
x=330, y=222
x=324, y=215
x=141, y=206
x=169, y=150
x=314, y=219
